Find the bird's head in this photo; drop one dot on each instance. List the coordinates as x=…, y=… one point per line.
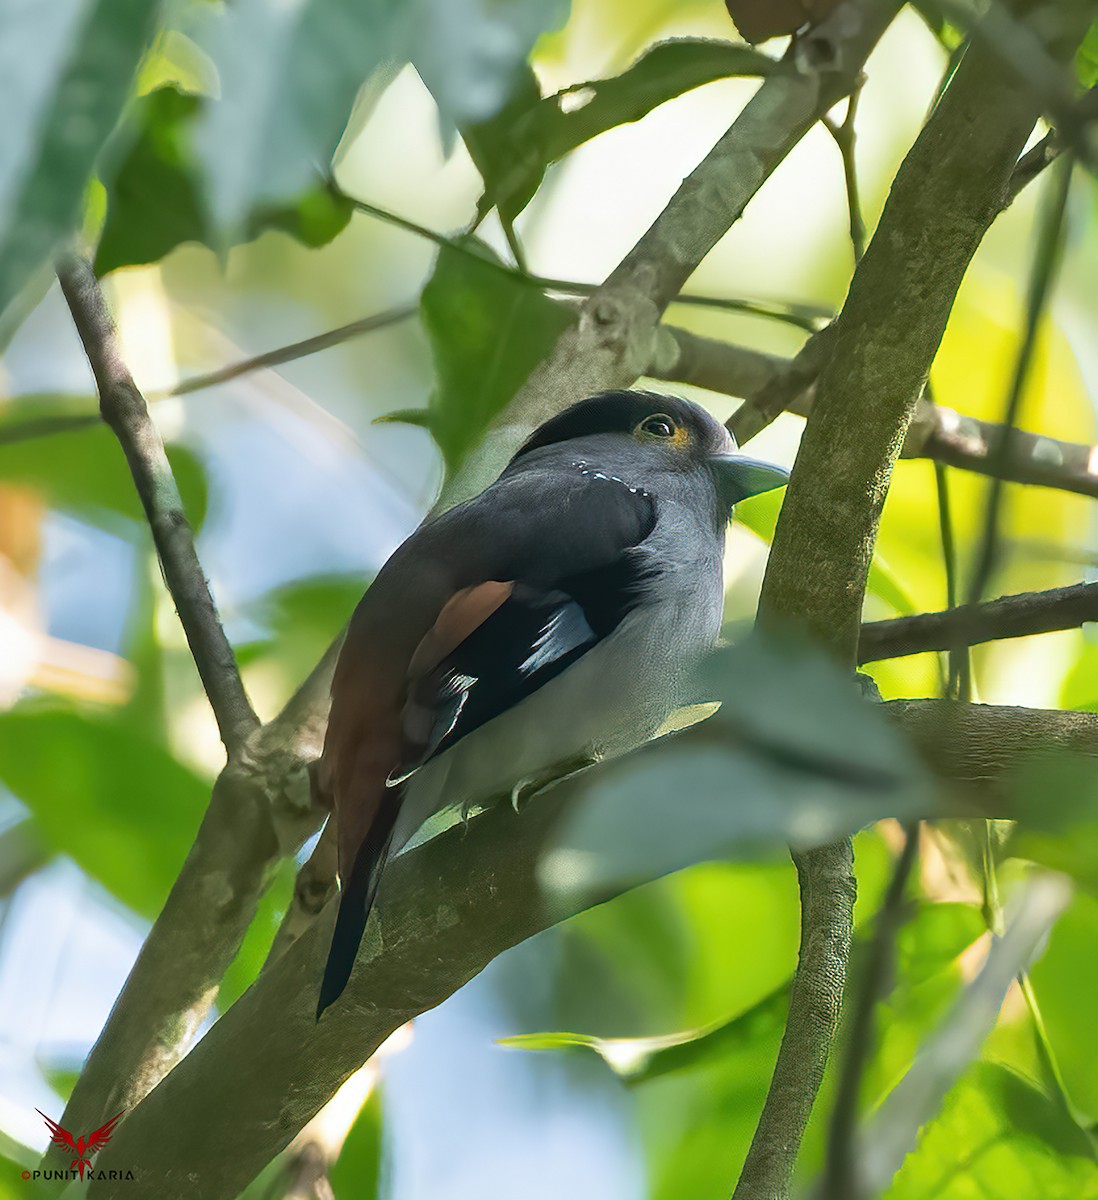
x=653, y=434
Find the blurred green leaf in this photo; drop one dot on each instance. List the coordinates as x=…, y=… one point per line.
x=290, y=75
x=1086, y=59
x=1065, y=979
x=117, y=803
x=154, y=198
x=794, y=756
x=940, y=933
x=513, y=150
x=998, y=1137
x=84, y=471
x=356, y=1173
x=65, y=74
x=303, y=619
x=488, y=330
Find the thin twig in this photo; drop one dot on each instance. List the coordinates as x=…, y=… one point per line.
x=840, y=1168
x=290, y=353
x=1021, y=615
x=804, y=316
x=1047, y=259
x=844, y=137
x=125, y=411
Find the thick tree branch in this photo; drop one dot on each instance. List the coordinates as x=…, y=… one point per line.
x=945, y=195
x=124, y=409
x=1022, y=615
x=261, y=810
x=447, y=909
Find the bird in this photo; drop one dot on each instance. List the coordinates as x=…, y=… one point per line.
x=552, y=619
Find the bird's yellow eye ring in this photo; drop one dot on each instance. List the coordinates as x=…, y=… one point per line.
x=659, y=425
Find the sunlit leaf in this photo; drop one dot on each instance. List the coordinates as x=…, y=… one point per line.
x=356, y=1173
x=65, y=73
x=513, y=150
x=998, y=1136
x=1086, y=60
x=488, y=330
x=117, y=803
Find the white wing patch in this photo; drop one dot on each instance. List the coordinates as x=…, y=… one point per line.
x=566, y=629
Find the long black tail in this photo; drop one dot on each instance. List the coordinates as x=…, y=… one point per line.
x=355, y=901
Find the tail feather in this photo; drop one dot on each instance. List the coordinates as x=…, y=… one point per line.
x=355, y=901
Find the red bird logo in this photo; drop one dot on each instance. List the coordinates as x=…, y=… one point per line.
x=82, y=1147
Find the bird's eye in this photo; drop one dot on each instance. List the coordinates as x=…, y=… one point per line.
x=659, y=425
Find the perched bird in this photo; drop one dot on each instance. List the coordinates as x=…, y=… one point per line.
x=550, y=620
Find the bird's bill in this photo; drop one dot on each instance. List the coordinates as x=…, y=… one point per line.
x=743, y=477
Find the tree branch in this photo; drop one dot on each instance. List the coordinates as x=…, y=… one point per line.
x=448, y=908
x=956, y=440
x=292, y=352
x=260, y=811
x=614, y=338
x=124, y=409
x=945, y=195
x=1021, y=615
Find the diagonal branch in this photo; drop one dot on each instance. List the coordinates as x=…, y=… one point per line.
x=615, y=336
x=449, y=907
x=1022, y=615
x=124, y=409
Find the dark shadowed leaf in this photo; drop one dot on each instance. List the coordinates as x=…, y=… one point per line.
x=65, y=73
x=488, y=330
x=154, y=197
x=513, y=150
x=794, y=756
x=101, y=792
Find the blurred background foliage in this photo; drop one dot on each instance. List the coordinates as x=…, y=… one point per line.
x=639, y=1035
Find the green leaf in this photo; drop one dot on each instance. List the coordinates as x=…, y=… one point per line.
x=116, y=802
x=513, y=150
x=356, y=1173
x=154, y=202
x=644, y=1058
x=290, y=75
x=243, y=971
x=65, y=75
x=488, y=330
x=793, y=756
x=1086, y=58
x=998, y=1136
x=84, y=471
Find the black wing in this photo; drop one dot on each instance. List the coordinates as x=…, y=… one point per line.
x=540, y=629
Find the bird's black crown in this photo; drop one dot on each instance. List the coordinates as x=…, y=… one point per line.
x=618, y=412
